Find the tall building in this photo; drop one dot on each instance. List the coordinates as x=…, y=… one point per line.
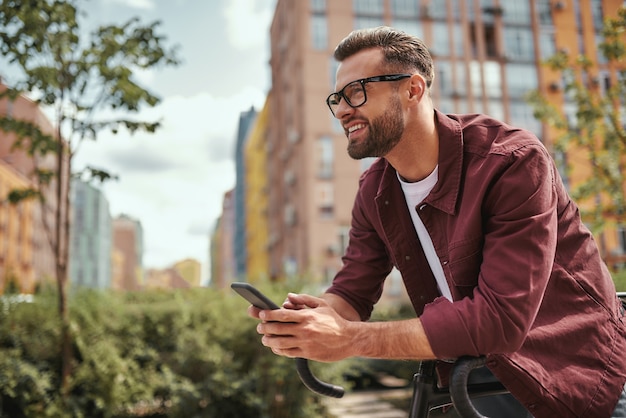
x=246, y=120
x=128, y=241
x=257, y=260
x=90, y=232
x=190, y=270
x=17, y=273
x=222, y=256
x=43, y=218
x=488, y=54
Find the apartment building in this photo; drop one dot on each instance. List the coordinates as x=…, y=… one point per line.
x=17, y=274
x=128, y=243
x=19, y=164
x=246, y=121
x=190, y=270
x=255, y=157
x=222, y=245
x=90, y=237
x=488, y=54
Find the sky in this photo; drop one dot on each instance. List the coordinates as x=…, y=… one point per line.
x=174, y=181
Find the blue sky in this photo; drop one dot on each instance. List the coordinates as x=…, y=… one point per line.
x=174, y=181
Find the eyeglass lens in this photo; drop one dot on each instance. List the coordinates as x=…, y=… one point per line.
x=354, y=94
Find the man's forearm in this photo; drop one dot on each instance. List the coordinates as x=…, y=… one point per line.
x=403, y=340
x=387, y=340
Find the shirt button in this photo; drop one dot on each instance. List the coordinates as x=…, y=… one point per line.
x=422, y=207
x=407, y=257
x=445, y=263
x=386, y=202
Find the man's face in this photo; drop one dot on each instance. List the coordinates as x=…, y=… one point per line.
x=381, y=133
x=375, y=127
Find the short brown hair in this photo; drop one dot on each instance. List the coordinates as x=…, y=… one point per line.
x=401, y=50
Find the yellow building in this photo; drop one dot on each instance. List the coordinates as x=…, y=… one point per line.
x=190, y=270
x=256, y=206
x=578, y=24
x=16, y=235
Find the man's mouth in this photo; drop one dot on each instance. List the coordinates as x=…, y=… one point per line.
x=355, y=127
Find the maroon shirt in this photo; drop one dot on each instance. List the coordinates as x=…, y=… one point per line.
x=530, y=289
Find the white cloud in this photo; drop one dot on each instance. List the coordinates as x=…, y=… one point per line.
x=247, y=22
x=173, y=181
x=136, y=4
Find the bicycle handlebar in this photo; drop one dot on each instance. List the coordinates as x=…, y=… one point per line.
x=458, y=386
x=313, y=383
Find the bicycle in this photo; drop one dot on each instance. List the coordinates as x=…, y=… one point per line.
x=427, y=394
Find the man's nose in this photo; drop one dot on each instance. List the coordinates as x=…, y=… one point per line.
x=343, y=109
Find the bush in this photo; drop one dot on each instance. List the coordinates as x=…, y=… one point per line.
x=191, y=353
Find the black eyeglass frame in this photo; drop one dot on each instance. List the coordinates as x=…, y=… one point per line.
x=363, y=81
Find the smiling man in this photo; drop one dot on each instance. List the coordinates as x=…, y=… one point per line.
x=492, y=250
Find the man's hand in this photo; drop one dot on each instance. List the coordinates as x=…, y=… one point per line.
x=308, y=327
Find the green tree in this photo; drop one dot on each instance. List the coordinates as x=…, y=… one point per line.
x=86, y=79
x=591, y=124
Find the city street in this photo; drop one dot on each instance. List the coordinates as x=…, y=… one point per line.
x=369, y=404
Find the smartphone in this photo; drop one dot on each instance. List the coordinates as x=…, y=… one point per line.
x=253, y=295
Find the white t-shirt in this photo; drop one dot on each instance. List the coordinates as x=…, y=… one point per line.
x=414, y=193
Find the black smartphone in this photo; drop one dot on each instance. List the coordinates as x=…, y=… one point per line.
x=253, y=295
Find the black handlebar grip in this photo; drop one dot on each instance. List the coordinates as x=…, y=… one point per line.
x=458, y=386
x=313, y=383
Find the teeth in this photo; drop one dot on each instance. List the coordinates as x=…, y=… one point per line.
x=355, y=127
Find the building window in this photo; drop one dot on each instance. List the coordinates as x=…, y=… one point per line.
x=489, y=40
x=410, y=26
x=437, y=10
x=368, y=7
x=444, y=78
x=547, y=44
x=344, y=238
x=521, y=114
x=325, y=199
x=362, y=22
x=458, y=37
x=365, y=163
x=516, y=12
x=318, y=6
x=325, y=157
x=289, y=214
x=319, y=32
x=405, y=8
x=368, y=13
x=520, y=79
x=489, y=73
x=598, y=15
x=441, y=39
x=544, y=10
x=518, y=44
x=621, y=238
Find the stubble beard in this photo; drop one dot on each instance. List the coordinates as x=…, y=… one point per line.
x=384, y=133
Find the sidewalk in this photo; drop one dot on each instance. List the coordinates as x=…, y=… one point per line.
x=367, y=404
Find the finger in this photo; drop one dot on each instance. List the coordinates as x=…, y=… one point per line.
x=276, y=329
x=304, y=299
x=279, y=315
x=288, y=305
x=253, y=311
x=282, y=344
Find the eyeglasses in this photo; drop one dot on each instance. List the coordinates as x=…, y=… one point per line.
x=354, y=92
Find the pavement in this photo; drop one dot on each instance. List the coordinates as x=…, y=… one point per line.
x=368, y=404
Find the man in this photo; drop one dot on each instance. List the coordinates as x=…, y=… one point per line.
x=492, y=251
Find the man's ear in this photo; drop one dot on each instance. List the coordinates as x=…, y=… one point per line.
x=417, y=87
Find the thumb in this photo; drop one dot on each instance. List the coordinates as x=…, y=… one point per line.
x=306, y=300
